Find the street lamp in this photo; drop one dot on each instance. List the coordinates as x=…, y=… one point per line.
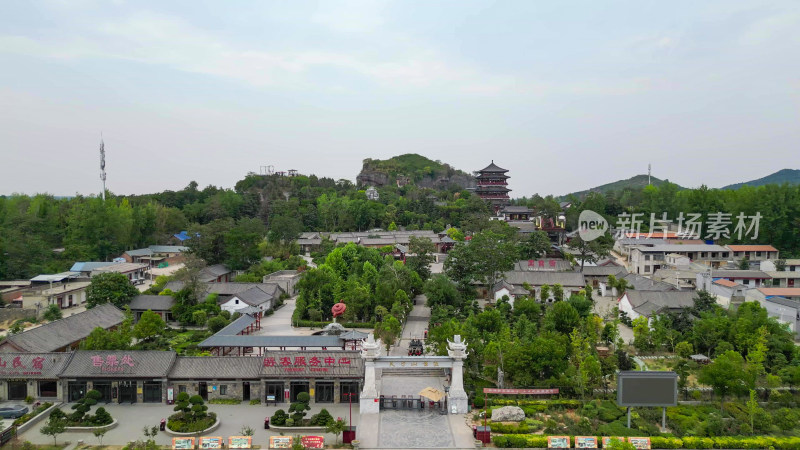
x=350, y=401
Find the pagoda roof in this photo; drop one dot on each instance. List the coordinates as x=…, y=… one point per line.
x=493, y=188
x=493, y=168
x=491, y=175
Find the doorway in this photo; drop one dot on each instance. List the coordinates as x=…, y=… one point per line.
x=274, y=393
x=324, y=392
x=17, y=390
x=203, y=387
x=246, y=391
x=297, y=387
x=152, y=392
x=127, y=391
x=76, y=391
x=104, y=387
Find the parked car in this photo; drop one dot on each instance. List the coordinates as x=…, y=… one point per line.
x=13, y=411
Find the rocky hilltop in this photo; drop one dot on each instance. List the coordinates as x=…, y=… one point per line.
x=412, y=169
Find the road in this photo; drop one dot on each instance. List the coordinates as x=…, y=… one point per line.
x=416, y=324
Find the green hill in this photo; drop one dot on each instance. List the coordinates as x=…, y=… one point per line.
x=791, y=176
x=636, y=182
x=412, y=168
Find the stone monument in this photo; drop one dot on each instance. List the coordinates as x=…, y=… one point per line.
x=369, y=400
x=457, y=397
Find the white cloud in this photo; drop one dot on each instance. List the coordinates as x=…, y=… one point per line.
x=350, y=15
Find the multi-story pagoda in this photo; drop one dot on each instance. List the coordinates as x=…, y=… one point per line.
x=493, y=185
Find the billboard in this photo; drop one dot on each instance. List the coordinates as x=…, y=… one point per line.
x=647, y=388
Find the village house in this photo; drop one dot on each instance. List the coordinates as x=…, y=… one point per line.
x=646, y=260
x=63, y=334
x=24, y=375
x=637, y=282
x=767, y=292
x=286, y=279
x=784, y=279
x=683, y=278
x=571, y=282
x=595, y=275
x=159, y=304
x=649, y=303
x=784, y=311
x=63, y=291
x=505, y=289
x=154, y=255
x=86, y=268
x=753, y=252
x=135, y=272
x=218, y=273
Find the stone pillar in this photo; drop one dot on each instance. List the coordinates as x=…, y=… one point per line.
x=337, y=390
x=369, y=398
x=457, y=401
x=312, y=387
x=139, y=391
x=287, y=385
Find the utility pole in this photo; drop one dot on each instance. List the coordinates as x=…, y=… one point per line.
x=103, y=165
x=648, y=173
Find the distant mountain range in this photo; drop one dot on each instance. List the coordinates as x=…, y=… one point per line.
x=636, y=182
x=791, y=176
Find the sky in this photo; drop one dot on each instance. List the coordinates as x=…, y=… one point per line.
x=566, y=95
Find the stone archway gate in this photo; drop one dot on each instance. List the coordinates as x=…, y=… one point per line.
x=371, y=353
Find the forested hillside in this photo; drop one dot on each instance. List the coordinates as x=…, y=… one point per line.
x=42, y=234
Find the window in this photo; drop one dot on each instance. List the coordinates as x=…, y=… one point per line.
x=713, y=254
x=237, y=301
x=181, y=388
x=647, y=269
x=758, y=254
x=223, y=389
x=647, y=257
x=702, y=254
x=746, y=282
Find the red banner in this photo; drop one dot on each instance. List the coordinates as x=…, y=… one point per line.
x=520, y=391
x=313, y=441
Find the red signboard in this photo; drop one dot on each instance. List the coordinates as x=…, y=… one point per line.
x=302, y=363
x=520, y=391
x=313, y=441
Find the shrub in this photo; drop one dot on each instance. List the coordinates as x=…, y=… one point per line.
x=279, y=418
x=101, y=417
x=255, y=401
x=178, y=422
x=323, y=418
x=217, y=323
x=29, y=399
x=21, y=420
x=225, y=401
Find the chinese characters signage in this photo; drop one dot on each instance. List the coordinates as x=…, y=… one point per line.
x=716, y=226
x=280, y=442
x=16, y=366
x=307, y=363
x=313, y=441
x=240, y=442
x=520, y=391
x=113, y=363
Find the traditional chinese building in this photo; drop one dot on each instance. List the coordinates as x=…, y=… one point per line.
x=120, y=376
x=159, y=376
x=493, y=186
x=31, y=374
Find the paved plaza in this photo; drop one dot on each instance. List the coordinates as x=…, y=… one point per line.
x=132, y=418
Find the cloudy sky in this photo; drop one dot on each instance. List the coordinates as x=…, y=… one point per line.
x=567, y=95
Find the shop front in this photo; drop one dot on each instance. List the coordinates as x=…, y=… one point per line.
x=34, y=375
x=327, y=376
x=120, y=377
x=217, y=377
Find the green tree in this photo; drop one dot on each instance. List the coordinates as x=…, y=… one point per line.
x=593, y=250
x=241, y=243
x=440, y=291
x=558, y=292
x=535, y=245
x=52, y=313
x=298, y=409
x=149, y=326
x=562, y=317
x=199, y=318
x=216, y=323
x=726, y=375
x=544, y=293
x=422, y=250
x=484, y=259
x=684, y=349
x=114, y=288
x=752, y=409
x=642, y=336
x=284, y=229
x=336, y=428
x=54, y=427
x=388, y=331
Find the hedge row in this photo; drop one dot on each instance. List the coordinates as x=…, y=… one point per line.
x=313, y=324
x=731, y=442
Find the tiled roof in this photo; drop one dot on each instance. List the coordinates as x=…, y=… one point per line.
x=641, y=283
x=681, y=248
x=780, y=292
x=219, y=340
x=493, y=168
x=254, y=296
x=784, y=302
x=56, y=277
x=726, y=283
x=648, y=302
x=752, y=248
x=152, y=302
x=54, y=335
x=601, y=271
x=120, y=268
x=89, y=266
x=540, y=277
x=33, y=365
x=219, y=367
x=749, y=274
x=119, y=364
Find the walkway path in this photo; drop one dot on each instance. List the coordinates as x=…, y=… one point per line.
x=416, y=324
